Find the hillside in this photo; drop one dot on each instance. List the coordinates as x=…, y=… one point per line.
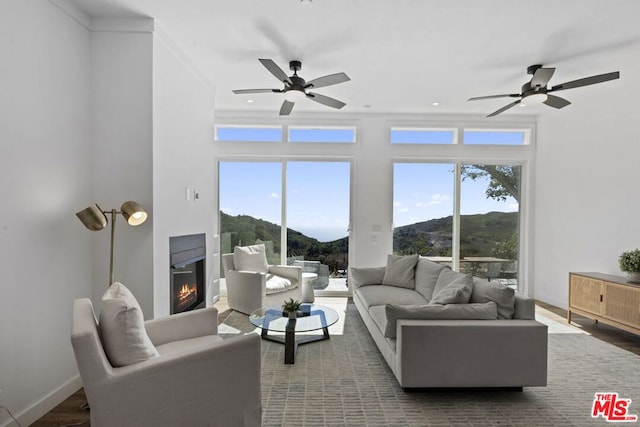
x=480, y=235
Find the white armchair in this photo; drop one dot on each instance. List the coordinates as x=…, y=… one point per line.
x=249, y=290
x=198, y=379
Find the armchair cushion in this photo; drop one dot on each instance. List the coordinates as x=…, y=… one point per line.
x=277, y=284
x=250, y=258
x=121, y=327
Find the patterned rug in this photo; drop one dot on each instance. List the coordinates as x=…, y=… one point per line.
x=345, y=381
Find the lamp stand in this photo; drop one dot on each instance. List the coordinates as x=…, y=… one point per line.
x=113, y=234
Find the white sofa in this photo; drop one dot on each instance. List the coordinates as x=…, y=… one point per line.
x=438, y=328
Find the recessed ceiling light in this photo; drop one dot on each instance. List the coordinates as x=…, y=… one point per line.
x=249, y=101
x=435, y=103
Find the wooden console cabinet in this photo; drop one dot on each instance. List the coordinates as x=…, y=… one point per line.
x=605, y=298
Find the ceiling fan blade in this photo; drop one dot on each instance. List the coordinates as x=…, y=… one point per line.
x=542, y=76
x=275, y=70
x=286, y=108
x=587, y=81
x=325, y=100
x=508, y=95
x=331, y=79
x=505, y=108
x=556, y=101
x=241, y=91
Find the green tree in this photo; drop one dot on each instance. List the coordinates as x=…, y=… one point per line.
x=504, y=180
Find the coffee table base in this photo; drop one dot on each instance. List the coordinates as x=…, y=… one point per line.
x=290, y=342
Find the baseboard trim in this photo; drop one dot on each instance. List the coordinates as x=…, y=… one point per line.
x=38, y=409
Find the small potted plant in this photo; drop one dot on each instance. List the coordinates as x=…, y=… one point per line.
x=291, y=307
x=630, y=263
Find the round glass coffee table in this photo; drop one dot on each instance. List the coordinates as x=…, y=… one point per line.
x=310, y=317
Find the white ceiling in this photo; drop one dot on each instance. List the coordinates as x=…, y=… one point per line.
x=401, y=55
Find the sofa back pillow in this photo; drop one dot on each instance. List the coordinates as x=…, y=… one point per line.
x=250, y=258
x=427, y=273
x=481, y=311
x=452, y=288
x=364, y=276
x=503, y=296
x=400, y=271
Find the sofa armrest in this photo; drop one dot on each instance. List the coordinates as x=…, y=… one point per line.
x=190, y=324
x=364, y=276
x=525, y=308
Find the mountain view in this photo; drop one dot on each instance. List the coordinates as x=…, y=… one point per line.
x=491, y=234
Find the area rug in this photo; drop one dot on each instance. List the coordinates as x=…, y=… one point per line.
x=345, y=381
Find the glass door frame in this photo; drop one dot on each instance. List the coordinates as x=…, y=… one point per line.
x=283, y=160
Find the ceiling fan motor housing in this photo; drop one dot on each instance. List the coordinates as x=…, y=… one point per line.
x=528, y=90
x=295, y=66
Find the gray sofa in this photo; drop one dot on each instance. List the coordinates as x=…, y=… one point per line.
x=438, y=328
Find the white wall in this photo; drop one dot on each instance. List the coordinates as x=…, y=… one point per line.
x=183, y=120
x=45, y=252
x=586, y=199
x=121, y=94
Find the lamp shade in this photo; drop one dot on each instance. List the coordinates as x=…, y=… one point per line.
x=93, y=218
x=133, y=213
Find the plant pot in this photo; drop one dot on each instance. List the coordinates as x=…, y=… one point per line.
x=633, y=277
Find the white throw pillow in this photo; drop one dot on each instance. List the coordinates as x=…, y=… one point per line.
x=121, y=327
x=400, y=271
x=250, y=258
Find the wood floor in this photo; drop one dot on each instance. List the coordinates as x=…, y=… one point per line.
x=70, y=412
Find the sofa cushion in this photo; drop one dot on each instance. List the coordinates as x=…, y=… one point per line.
x=427, y=273
x=381, y=295
x=503, y=296
x=121, y=328
x=379, y=316
x=452, y=288
x=250, y=258
x=480, y=311
x=400, y=271
x=364, y=276
x=277, y=284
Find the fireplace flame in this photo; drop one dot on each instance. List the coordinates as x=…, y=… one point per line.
x=187, y=294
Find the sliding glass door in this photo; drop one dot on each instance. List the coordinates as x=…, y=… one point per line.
x=298, y=209
x=466, y=216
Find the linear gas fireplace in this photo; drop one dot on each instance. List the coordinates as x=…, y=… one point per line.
x=187, y=259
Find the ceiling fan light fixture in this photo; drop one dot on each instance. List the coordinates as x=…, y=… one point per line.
x=535, y=99
x=294, y=95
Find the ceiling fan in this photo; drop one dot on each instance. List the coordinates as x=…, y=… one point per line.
x=536, y=89
x=295, y=87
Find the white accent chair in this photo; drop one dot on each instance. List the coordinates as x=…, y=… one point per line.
x=198, y=379
x=262, y=286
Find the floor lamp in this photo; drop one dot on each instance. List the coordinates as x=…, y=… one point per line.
x=94, y=218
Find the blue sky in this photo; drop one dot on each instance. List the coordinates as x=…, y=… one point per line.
x=317, y=202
